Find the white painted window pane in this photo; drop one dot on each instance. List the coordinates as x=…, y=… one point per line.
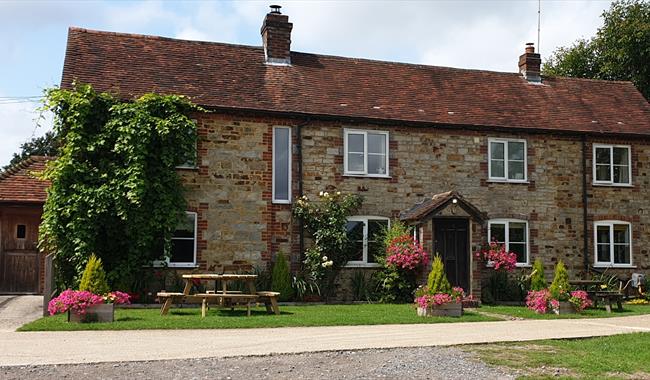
x=603, y=173
x=621, y=156
x=281, y=157
x=355, y=143
x=185, y=227
x=603, y=156
x=497, y=168
x=355, y=162
x=355, y=235
x=376, y=164
x=377, y=143
x=516, y=150
x=496, y=149
x=516, y=170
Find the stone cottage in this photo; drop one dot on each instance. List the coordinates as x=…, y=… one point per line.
x=557, y=168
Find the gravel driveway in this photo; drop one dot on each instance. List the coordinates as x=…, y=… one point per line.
x=403, y=363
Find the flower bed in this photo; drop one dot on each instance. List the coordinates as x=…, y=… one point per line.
x=85, y=306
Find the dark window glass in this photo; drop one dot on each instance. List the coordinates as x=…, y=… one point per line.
x=182, y=243
x=281, y=162
x=21, y=231
x=375, y=229
x=355, y=234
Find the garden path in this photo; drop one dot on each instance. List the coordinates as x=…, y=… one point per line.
x=109, y=346
x=15, y=311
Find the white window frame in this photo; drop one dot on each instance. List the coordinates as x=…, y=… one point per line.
x=505, y=160
x=365, y=133
x=364, y=219
x=507, y=236
x=290, y=150
x=610, y=263
x=196, y=232
x=611, y=165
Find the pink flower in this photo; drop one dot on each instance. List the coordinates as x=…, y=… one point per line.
x=538, y=300
x=580, y=300
x=499, y=257
x=406, y=253
x=75, y=300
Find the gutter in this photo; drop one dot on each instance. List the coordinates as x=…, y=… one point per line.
x=585, y=226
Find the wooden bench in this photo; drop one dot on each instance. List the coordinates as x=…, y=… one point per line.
x=270, y=300
x=608, y=298
x=169, y=298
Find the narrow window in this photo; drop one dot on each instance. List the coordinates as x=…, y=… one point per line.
x=507, y=160
x=612, y=165
x=21, y=231
x=282, y=165
x=366, y=153
x=513, y=234
x=183, y=248
x=364, y=232
x=613, y=243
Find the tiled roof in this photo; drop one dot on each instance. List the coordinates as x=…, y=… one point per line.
x=434, y=204
x=20, y=184
x=236, y=77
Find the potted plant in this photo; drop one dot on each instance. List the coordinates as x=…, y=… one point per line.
x=438, y=298
x=558, y=298
x=85, y=306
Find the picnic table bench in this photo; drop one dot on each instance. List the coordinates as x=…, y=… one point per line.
x=222, y=297
x=608, y=298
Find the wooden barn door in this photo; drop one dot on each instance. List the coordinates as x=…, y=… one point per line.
x=19, y=256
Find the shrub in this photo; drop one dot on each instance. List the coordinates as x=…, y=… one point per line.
x=281, y=278
x=560, y=287
x=537, y=280
x=437, y=281
x=94, y=277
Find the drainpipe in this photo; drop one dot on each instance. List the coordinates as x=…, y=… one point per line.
x=585, y=227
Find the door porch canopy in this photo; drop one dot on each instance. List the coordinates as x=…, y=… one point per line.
x=449, y=203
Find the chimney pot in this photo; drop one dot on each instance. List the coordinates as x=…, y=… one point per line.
x=276, y=37
x=530, y=64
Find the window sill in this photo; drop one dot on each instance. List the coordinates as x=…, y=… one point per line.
x=610, y=266
x=492, y=180
x=280, y=202
x=611, y=184
x=491, y=265
x=361, y=265
x=162, y=264
x=190, y=168
x=367, y=176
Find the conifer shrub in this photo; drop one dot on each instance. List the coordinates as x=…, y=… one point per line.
x=94, y=277
x=437, y=281
x=537, y=280
x=281, y=278
x=560, y=287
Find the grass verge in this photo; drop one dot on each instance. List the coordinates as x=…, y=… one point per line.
x=291, y=316
x=614, y=357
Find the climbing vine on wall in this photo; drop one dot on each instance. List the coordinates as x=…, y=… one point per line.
x=115, y=191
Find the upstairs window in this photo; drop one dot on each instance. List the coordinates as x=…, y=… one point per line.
x=612, y=165
x=508, y=160
x=366, y=153
x=281, y=165
x=613, y=243
x=512, y=233
x=365, y=234
x=184, y=242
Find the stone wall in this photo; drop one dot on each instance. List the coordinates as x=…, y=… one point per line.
x=232, y=188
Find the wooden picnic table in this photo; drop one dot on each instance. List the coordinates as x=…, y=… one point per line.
x=223, y=297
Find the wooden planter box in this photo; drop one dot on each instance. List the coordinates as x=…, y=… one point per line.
x=103, y=312
x=565, y=308
x=451, y=309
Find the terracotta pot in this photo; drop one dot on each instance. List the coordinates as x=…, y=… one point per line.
x=451, y=309
x=103, y=312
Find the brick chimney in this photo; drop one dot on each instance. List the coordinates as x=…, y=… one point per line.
x=276, y=36
x=530, y=63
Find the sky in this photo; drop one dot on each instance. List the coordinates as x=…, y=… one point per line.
x=488, y=35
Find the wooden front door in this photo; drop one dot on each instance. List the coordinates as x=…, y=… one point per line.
x=451, y=242
x=19, y=257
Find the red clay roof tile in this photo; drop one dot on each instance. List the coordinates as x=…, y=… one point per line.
x=233, y=76
x=20, y=183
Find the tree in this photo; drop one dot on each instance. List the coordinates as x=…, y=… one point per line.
x=94, y=277
x=46, y=145
x=537, y=280
x=114, y=188
x=620, y=50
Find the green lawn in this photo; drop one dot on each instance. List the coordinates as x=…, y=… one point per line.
x=313, y=315
x=614, y=357
x=524, y=312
